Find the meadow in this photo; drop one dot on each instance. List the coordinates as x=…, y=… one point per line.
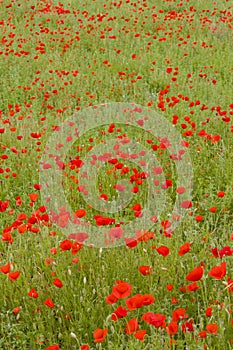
x=116, y=187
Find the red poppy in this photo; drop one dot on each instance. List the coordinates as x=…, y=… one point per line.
x=192, y=287
x=208, y=312
x=163, y=250
x=199, y=218
x=37, y=186
x=53, y=347
x=186, y=204
x=100, y=335
x=58, y=283
x=132, y=326
x=33, y=293
x=185, y=248
x=212, y=328
x=33, y=197
x=181, y=190
x=135, y=302
x=187, y=326
x=13, y=275
x=179, y=314
x=84, y=347
x=148, y=299
x=120, y=312
x=221, y=194
x=3, y=206
x=157, y=320
x=111, y=299
x=137, y=207
x=66, y=245
x=202, y=334
x=80, y=213
x=16, y=310
x=48, y=302
x=140, y=335
x=145, y=270
x=196, y=274
x=121, y=290
x=213, y=209
x=103, y=221
x=172, y=328
x=170, y=287
x=145, y=236
x=131, y=242
x=5, y=268
x=218, y=272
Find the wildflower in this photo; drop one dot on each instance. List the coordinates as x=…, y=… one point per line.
x=196, y=274
x=132, y=326
x=121, y=290
x=100, y=335
x=218, y=272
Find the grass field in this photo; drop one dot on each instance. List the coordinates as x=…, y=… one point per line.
x=116, y=153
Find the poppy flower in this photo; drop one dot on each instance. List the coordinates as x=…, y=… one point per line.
x=218, y=272
x=121, y=290
x=5, y=268
x=213, y=209
x=170, y=287
x=221, y=194
x=132, y=326
x=13, y=275
x=208, y=312
x=196, y=274
x=111, y=299
x=84, y=347
x=185, y=248
x=140, y=335
x=192, y=287
x=66, y=245
x=145, y=270
x=172, y=328
x=186, y=204
x=58, y=283
x=181, y=190
x=187, y=326
x=135, y=302
x=148, y=299
x=80, y=213
x=137, y=207
x=33, y=293
x=120, y=312
x=48, y=302
x=33, y=197
x=202, y=334
x=163, y=250
x=179, y=314
x=16, y=310
x=199, y=218
x=103, y=221
x=145, y=236
x=3, y=206
x=53, y=347
x=131, y=242
x=212, y=328
x=100, y=335
x=156, y=320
